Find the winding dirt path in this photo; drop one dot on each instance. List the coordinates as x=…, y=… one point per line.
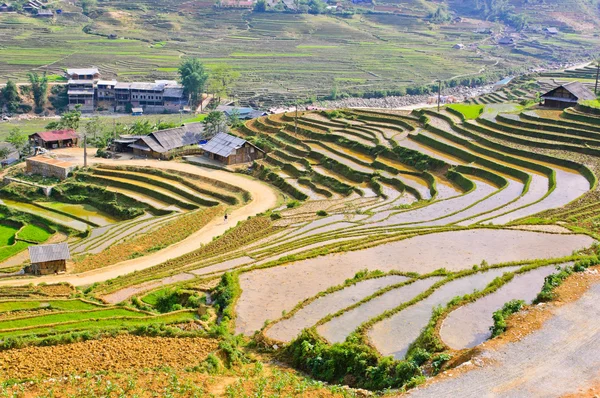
x=562, y=357
x=263, y=198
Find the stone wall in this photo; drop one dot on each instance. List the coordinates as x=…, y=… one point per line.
x=49, y=167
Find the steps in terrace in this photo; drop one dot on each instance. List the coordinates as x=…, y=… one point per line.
x=129, y=188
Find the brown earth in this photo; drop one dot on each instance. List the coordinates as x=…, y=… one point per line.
x=108, y=354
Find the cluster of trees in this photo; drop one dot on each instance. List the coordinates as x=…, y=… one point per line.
x=196, y=79
x=10, y=95
x=217, y=122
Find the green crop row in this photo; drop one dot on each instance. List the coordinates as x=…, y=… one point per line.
x=101, y=180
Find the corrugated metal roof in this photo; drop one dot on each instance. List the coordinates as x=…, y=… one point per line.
x=44, y=253
x=223, y=144
x=173, y=92
x=57, y=135
x=178, y=137
x=82, y=71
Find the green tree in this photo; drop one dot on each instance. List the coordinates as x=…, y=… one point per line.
x=4, y=152
x=68, y=120
x=193, y=77
x=260, y=6
x=39, y=88
x=10, y=93
x=215, y=123
x=94, y=132
x=88, y=5
x=221, y=79
x=18, y=139
x=234, y=119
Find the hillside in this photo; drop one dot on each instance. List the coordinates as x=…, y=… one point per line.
x=364, y=50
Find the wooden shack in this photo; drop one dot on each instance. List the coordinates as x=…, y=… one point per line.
x=48, y=259
x=567, y=95
x=228, y=149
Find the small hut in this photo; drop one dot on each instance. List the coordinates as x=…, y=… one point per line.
x=228, y=149
x=567, y=95
x=49, y=259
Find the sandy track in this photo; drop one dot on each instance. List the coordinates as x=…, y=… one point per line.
x=558, y=359
x=263, y=198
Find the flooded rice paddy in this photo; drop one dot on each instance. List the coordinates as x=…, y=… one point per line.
x=469, y=325
x=47, y=214
x=287, y=329
x=83, y=211
x=393, y=335
x=285, y=286
x=337, y=329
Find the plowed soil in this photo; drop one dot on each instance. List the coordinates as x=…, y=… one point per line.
x=109, y=354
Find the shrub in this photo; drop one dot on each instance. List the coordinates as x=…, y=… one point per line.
x=321, y=213
x=275, y=216
x=292, y=204
x=500, y=316
x=439, y=360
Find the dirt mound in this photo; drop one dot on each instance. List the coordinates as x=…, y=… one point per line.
x=109, y=354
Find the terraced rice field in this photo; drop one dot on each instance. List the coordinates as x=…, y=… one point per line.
x=404, y=239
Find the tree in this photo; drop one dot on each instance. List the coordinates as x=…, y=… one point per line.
x=4, y=152
x=88, y=5
x=18, y=139
x=39, y=88
x=10, y=93
x=260, y=6
x=193, y=77
x=68, y=120
x=93, y=131
x=215, y=123
x=234, y=118
x=222, y=77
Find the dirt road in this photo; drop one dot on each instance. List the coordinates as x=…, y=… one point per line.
x=563, y=357
x=263, y=198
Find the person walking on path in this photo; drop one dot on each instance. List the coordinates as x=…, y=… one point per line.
x=225, y=217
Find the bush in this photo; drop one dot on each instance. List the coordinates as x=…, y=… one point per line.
x=292, y=204
x=500, y=316
x=321, y=213
x=275, y=216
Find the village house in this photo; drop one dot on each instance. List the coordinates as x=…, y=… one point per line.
x=87, y=90
x=45, y=14
x=49, y=167
x=229, y=150
x=567, y=95
x=81, y=88
x=164, y=144
x=48, y=259
x=32, y=6
x=5, y=7
x=54, y=139
x=506, y=41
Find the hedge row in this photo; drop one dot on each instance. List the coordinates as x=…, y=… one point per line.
x=149, y=180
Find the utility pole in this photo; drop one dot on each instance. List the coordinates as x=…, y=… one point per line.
x=439, y=94
x=84, y=150
x=296, y=119
x=597, y=76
